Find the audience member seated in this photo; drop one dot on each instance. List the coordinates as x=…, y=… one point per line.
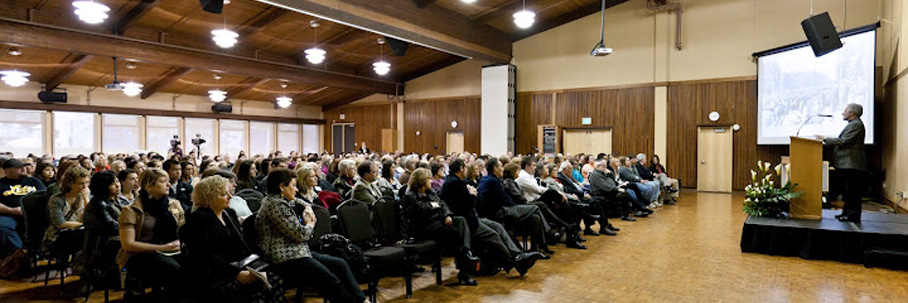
x=129, y=187
x=117, y=166
x=366, y=190
x=46, y=172
x=65, y=210
x=496, y=204
x=13, y=187
x=610, y=186
x=284, y=234
x=512, y=171
x=431, y=219
x=245, y=176
x=438, y=175
x=658, y=171
x=101, y=228
x=306, y=181
x=387, y=183
x=461, y=199
x=148, y=234
x=215, y=243
x=178, y=189
x=65, y=165
x=560, y=180
x=346, y=178
x=239, y=205
x=188, y=174
x=647, y=192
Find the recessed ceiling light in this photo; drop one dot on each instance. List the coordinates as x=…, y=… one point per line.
x=14, y=51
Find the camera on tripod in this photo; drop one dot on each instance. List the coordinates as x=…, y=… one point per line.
x=198, y=141
x=175, y=142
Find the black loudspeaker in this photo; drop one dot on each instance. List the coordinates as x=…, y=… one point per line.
x=398, y=48
x=212, y=6
x=821, y=33
x=222, y=108
x=52, y=97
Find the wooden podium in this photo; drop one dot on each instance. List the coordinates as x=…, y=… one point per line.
x=807, y=173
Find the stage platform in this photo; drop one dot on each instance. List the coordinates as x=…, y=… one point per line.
x=879, y=240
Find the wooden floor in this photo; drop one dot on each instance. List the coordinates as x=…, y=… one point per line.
x=683, y=253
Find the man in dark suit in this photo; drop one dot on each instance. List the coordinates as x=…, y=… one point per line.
x=851, y=161
x=496, y=204
x=461, y=199
x=179, y=190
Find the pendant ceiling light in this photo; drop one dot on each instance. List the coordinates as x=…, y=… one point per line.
x=600, y=50
x=283, y=101
x=524, y=18
x=132, y=88
x=91, y=12
x=217, y=95
x=224, y=37
x=315, y=55
x=381, y=67
x=14, y=78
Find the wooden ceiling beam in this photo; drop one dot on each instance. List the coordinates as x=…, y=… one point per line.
x=506, y=8
x=85, y=42
x=174, y=74
x=260, y=20
x=587, y=10
x=298, y=98
x=424, y=3
x=137, y=11
x=431, y=26
x=245, y=85
x=425, y=70
x=67, y=68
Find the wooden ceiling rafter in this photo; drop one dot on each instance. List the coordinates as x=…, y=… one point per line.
x=298, y=98
x=425, y=70
x=424, y=3
x=260, y=21
x=140, y=9
x=68, y=67
x=348, y=100
x=52, y=37
x=245, y=85
x=499, y=11
x=172, y=75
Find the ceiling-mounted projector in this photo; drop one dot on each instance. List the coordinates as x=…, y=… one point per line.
x=601, y=51
x=114, y=86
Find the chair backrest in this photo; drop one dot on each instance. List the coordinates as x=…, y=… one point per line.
x=355, y=219
x=322, y=224
x=386, y=212
x=402, y=191
x=253, y=198
x=37, y=217
x=251, y=235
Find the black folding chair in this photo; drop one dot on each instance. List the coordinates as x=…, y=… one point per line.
x=355, y=220
x=387, y=213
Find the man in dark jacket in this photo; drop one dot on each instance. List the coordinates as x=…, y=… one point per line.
x=462, y=200
x=179, y=190
x=603, y=183
x=571, y=187
x=850, y=161
x=494, y=203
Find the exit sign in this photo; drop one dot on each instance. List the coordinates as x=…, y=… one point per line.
x=586, y=121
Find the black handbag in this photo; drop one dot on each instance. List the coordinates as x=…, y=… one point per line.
x=252, y=261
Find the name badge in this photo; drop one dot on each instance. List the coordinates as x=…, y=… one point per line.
x=435, y=204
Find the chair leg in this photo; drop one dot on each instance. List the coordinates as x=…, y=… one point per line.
x=106, y=295
x=47, y=271
x=408, y=281
x=437, y=268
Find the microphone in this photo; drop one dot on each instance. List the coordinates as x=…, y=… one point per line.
x=808, y=120
x=536, y=149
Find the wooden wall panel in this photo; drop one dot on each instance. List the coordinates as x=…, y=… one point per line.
x=432, y=118
x=531, y=110
x=736, y=102
x=628, y=111
x=369, y=120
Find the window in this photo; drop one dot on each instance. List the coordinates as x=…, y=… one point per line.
x=22, y=132
x=203, y=128
x=232, y=138
x=288, y=138
x=160, y=130
x=261, y=138
x=119, y=133
x=310, y=138
x=74, y=133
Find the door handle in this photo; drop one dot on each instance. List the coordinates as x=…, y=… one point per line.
x=702, y=162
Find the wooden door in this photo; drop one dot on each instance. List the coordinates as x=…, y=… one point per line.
x=454, y=142
x=350, y=144
x=714, y=159
x=600, y=141
x=575, y=141
x=337, y=138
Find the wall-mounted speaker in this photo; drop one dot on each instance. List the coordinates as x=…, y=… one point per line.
x=212, y=6
x=52, y=97
x=222, y=108
x=398, y=47
x=821, y=34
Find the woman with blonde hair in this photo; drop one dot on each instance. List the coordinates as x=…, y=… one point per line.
x=306, y=180
x=148, y=232
x=214, y=241
x=66, y=210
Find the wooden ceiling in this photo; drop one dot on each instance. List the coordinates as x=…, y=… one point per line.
x=170, y=44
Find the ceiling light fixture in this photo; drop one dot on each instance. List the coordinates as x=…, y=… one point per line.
x=14, y=78
x=524, y=18
x=91, y=12
x=600, y=50
x=216, y=95
x=283, y=101
x=132, y=88
x=315, y=55
x=381, y=67
x=14, y=51
x=468, y=1
x=224, y=37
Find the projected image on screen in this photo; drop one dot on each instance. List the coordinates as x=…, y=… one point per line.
x=794, y=85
